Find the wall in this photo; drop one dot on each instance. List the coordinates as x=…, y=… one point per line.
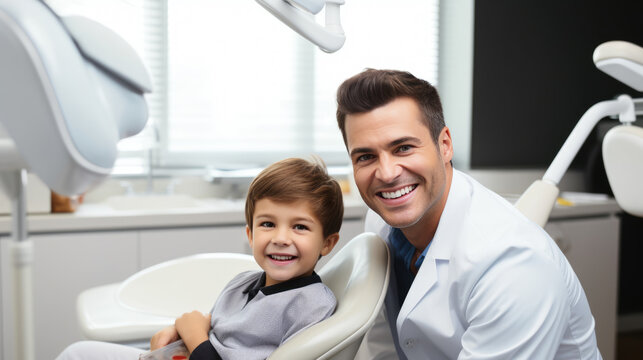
x=533, y=75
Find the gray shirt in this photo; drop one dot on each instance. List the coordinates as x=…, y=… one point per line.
x=250, y=320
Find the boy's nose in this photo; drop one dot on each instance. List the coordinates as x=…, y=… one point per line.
x=281, y=238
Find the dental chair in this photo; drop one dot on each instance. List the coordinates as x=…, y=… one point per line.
x=132, y=311
x=622, y=145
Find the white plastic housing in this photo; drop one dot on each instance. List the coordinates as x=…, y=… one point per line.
x=537, y=201
x=623, y=159
x=621, y=60
x=329, y=38
x=63, y=101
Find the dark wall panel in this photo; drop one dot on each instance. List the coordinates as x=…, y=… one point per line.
x=534, y=76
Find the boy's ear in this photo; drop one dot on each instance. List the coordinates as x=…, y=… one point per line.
x=329, y=244
x=249, y=235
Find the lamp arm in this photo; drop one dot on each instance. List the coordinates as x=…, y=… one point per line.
x=329, y=38
x=538, y=200
x=622, y=106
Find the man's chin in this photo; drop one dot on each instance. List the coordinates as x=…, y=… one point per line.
x=400, y=221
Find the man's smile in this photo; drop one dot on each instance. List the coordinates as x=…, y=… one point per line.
x=398, y=193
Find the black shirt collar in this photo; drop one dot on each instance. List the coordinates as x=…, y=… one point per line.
x=259, y=285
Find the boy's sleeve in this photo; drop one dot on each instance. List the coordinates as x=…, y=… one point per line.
x=205, y=351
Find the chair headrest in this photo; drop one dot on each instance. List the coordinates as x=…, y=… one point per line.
x=622, y=156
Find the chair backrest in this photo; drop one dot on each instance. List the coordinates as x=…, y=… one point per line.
x=622, y=154
x=358, y=275
x=168, y=289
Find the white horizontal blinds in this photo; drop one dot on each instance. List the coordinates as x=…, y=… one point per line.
x=233, y=86
x=381, y=34
x=235, y=82
x=245, y=88
x=154, y=53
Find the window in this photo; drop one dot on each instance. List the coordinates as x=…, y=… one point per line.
x=234, y=87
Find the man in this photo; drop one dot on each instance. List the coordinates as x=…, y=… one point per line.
x=472, y=278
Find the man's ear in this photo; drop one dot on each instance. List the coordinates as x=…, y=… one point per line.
x=445, y=145
x=329, y=244
x=249, y=235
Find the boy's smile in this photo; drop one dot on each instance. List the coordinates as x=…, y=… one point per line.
x=287, y=239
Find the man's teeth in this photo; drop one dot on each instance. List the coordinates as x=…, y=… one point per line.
x=397, y=194
x=280, y=257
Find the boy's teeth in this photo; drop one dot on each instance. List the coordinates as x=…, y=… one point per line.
x=397, y=194
x=279, y=257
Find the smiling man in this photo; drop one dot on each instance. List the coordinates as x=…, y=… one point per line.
x=472, y=278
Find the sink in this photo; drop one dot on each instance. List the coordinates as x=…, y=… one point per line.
x=152, y=202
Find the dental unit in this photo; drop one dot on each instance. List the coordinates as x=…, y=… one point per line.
x=622, y=146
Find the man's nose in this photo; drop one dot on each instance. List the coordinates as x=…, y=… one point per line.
x=388, y=169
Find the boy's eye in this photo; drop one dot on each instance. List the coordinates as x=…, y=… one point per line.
x=301, y=227
x=267, y=224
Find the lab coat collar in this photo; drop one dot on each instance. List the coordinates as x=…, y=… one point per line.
x=442, y=244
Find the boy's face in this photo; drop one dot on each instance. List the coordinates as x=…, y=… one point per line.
x=286, y=239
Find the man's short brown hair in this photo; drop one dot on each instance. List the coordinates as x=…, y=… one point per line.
x=297, y=179
x=372, y=88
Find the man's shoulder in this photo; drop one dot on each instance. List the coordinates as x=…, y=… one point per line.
x=491, y=225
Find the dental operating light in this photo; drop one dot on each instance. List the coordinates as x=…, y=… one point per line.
x=70, y=89
x=299, y=16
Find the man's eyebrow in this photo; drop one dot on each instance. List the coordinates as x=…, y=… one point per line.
x=394, y=143
x=403, y=140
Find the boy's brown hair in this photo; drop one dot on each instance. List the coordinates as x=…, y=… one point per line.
x=296, y=179
x=372, y=88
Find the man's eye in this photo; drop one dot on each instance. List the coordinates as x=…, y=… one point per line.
x=364, y=157
x=404, y=148
x=301, y=227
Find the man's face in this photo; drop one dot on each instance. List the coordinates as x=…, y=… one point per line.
x=399, y=170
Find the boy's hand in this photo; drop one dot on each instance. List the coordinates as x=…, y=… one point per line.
x=193, y=328
x=164, y=337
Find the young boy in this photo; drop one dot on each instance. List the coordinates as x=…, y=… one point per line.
x=294, y=211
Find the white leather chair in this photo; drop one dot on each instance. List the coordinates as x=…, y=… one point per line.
x=132, y=311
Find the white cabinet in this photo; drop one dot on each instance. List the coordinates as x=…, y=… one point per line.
x=64, y=266
x=591, y=246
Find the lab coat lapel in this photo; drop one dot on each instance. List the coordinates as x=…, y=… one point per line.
x=441, y=246
x=424, y=281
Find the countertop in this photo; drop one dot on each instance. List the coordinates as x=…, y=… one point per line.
x=102, y=217
x=216, y=212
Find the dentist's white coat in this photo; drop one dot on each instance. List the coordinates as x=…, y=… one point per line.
x=493, y=286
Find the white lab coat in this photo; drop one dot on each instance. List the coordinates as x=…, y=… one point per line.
x=493, y=286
